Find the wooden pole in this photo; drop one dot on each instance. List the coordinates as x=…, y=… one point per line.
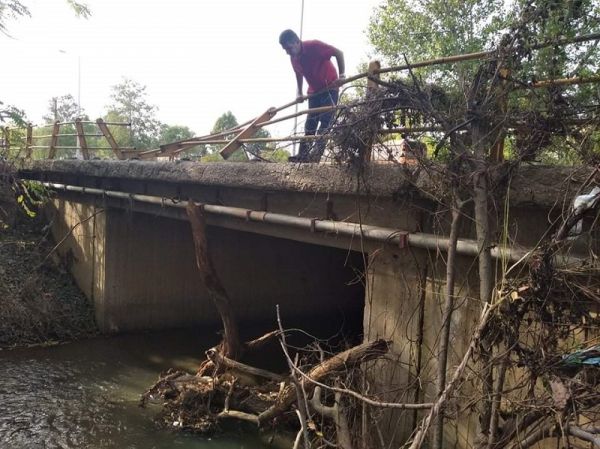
x=81, y=139
x=5, y=131
x=372, y=88
x=111, y=140
x=29, y=141
x=248, y=131
x=54, y=140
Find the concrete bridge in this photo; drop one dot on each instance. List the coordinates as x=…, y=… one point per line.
x=319, y=240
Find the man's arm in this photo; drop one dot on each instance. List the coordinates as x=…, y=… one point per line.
x=339, y=57
x=299, y=82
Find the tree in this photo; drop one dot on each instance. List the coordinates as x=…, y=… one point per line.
x=258, y=148
x=228, y=121
x=63, y=109
x=174, y=133
x=130, y=105
x=426, y=29
x=13, y=9
x=225, y=122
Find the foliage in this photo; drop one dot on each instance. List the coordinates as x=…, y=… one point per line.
x=432, y=28
x=275, y=155
x=13, y=9
x=12, y=114
x=62, y=109
x=225, y=122
x=212, y=157
x=130, y=104
x=427, y=29
x=174, y=133
x=81, y=9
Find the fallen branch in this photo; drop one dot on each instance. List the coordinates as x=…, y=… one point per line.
x=219, y=359
x=583, y=435
x=259, y=342
x=336, y=414
x=353, y=356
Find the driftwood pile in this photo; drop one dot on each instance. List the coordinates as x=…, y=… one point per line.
x=235, y=391
x=225, y=389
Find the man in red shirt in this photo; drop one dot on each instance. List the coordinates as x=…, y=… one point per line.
x=312, y=60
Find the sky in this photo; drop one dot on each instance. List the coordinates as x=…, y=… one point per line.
x=197, y=58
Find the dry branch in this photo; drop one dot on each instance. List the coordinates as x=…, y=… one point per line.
x=337, y=363
x=220, y=360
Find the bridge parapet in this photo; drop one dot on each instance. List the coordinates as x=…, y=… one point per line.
x=533, y=185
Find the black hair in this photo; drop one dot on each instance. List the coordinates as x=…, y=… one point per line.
x=287, y=37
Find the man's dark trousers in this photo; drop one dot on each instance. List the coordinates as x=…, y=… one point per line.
x=317, y=121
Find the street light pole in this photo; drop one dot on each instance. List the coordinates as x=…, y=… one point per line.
x=79, y=86
x=296, y=108
x=64, y=52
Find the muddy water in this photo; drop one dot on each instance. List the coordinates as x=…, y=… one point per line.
x=85, y=394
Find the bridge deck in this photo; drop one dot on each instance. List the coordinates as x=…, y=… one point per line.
x=532, y=185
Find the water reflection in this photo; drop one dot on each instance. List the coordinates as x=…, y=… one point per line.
x=85, y=394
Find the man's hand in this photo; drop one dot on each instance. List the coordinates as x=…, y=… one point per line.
x=300, y=98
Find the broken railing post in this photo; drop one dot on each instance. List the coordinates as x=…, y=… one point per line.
x=54, y=140
x=372, y=88
x=81, y=139
x=248, y=131
x=5, y=132
x=29, y=141
x=109, y=137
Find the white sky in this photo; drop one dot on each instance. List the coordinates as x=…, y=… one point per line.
x=198, y=58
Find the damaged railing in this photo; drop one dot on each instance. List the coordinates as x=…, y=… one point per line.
x=24, y=146
x=245, y=133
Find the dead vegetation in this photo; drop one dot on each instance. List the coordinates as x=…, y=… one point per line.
x=39, y=302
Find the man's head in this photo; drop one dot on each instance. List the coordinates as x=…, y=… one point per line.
x=290, y=42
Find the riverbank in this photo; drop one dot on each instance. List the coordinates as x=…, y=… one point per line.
x=39, y=302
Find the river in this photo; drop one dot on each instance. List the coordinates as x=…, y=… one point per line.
x=85, y=394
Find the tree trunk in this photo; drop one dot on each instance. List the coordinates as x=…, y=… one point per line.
x=438, y=436
x=230, y=346
x=486, y=284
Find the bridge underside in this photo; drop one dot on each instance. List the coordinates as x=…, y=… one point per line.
x=140, y=271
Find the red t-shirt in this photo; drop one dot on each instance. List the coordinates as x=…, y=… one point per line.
x=314, y=63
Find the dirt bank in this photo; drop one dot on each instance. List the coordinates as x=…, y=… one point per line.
x=39, y=302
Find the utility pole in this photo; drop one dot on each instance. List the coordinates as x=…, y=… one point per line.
x=78, y=86
x=296, y=109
